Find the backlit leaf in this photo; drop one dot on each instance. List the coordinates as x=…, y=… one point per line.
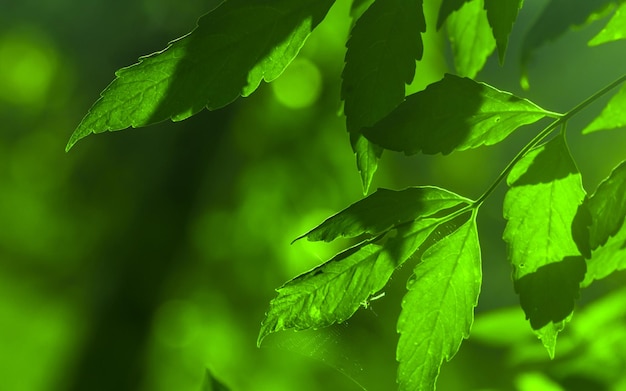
x=613, y=115
x=502, y=14
x=383, y=210
x=453, y=114
x=607, y=232
x=233, y=48
x=438, y=310
x=541, y=206
x=614, y=30
x=384, y=44
x=448, y=7
x=470, y=38
x=333, y=291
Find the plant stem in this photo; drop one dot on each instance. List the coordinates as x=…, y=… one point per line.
x=542, y=135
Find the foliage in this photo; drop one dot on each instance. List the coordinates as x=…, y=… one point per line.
x=559, y=239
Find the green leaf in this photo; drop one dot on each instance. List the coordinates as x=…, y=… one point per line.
x=233, y=48
x=383, y=210
x=542, y=234
x=438, y=310
x=448, y=7
x=614, y=30
x=607, y=232
x=380, y=60
x=212, y=384
x=502, y=14
x=553, y=22
x=453, y=114
x=333, y=291
x=613, y=115
x=470, y=38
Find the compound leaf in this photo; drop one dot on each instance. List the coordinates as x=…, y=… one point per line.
x=380, y=60
x=613, y=115
x=614, y=30
x=470, y=38
x=544, y=236
x=233, y=48
x=383, y=210
x=607, y=232
x=438, y=310
x=502, y=14
x=453, y=114
x=333, y=291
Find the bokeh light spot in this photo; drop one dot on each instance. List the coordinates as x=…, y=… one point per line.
x=299, y=86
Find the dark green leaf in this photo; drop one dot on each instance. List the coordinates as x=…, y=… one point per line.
x=212, y=384
x=438, y=310
x=333, y=291
x=383, y=47
x=383, y=210
x=448, y=7
x=614, y=30
x=470, y=38
x=502, y=14
x=607, y=232
x=453, y=114
x=541, y=206
x=613, y=115
x=233, y=48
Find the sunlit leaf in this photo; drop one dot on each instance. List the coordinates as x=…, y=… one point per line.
x=453, y=114
x=614, y=30
x=448, y=7
x=233, y=48
x=502, y=14
x=613, y=115
x=470, y=38
x=541, y=206
x=384, y=209
x=333, y=291
x=384, y=44
x=607, y=232
x=438, y=310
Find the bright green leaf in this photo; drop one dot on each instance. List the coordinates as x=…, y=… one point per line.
x=614, y=30
x=613, y=115
x=383, y=210
x=543, y=235
x=470, y=38
x=333, y=291
x=438, y=310
x=607, y=232
x=384, y=44
x=453, y=114
x=233, y=48
x=502, y=14
x=448, y=7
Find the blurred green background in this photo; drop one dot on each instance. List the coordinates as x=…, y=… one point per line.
x=142, y=258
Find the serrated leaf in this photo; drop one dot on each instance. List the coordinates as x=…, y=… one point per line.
x=384, y=44
x=607, y=232
x=453, y=114
x=502, y=15
x=383, y=210
x=233, y=48
x=541, y=206
x=438, y=310
x=447, y=8
x=470, y=38
x=612, y=116
x=614, y=30
x=333, y=291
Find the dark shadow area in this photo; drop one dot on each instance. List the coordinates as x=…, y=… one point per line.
x=549, y=294
x=553, y=162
